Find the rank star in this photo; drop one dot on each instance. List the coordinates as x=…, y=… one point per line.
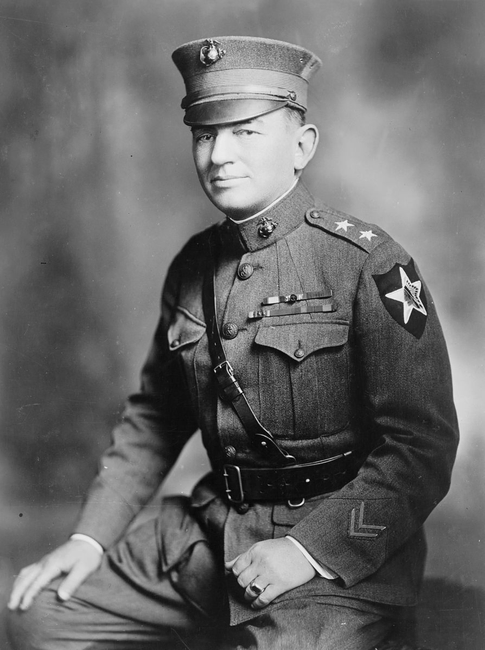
x=367, y=234
x=343, y=225
x=409, y=295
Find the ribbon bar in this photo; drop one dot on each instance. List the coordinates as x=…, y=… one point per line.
x=289, y=311
x=295, y=297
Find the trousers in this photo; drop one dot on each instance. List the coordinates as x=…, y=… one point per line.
x=163, y=587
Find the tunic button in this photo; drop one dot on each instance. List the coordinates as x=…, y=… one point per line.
x=230, y=330
x=175, y=343
x=230, y=451
x=299, y=353
x=242, y=508
x=245, y=271
x=315, y=214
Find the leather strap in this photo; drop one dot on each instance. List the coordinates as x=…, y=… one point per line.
x=294, y=483
x=229, y=387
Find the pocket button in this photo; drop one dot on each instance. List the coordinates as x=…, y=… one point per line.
x=230, y=452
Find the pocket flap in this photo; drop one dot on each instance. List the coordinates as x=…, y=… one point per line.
x=298, y=340
x=184, y=330
x=177, y=530
x=204, y=492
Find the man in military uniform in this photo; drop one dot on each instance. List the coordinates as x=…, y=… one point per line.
x=305, y=346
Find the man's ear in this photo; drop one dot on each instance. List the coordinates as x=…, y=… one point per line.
x=306, y=145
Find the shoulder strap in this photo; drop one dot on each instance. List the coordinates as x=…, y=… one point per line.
x=229, y=388
x=363, y=235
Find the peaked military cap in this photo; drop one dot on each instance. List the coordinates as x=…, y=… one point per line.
x=235, y=78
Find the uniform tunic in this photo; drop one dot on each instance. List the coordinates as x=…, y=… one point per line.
x=371, y=375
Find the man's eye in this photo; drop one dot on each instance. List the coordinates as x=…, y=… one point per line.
x=245, y=132
x=203, y=137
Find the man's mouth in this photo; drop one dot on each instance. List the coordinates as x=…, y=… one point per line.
x=225, y=179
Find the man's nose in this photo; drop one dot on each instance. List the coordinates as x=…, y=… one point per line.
x=223, y=150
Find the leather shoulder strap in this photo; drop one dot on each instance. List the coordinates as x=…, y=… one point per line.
x=229, y=387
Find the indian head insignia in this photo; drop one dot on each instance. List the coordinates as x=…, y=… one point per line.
x=211, y=52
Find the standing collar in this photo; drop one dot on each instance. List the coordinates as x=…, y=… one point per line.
x=283, y=216
x=268, y=207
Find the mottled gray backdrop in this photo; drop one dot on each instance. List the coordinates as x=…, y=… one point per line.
x=98, y=192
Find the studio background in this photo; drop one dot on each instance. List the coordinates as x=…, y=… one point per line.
x=98, y=193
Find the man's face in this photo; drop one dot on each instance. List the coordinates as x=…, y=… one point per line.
x=245, y=166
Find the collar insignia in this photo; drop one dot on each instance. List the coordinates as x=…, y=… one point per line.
x=266, y=227
x=211, y=52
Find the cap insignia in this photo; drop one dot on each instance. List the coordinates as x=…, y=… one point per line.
x=211, y=52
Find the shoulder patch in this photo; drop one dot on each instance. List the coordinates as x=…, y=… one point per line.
x=359, y=233
x=402, y=294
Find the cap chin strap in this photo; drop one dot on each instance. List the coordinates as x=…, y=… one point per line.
x=241, y=92
x=232, y=111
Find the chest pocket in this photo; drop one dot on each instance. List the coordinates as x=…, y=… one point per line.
x=304, y=376
x=185, y=330
x=299, y=340
x=184, y=336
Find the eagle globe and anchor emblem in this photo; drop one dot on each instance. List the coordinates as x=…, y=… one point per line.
x=211, y=52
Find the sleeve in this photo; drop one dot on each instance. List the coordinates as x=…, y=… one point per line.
x=406, y=418
x=156, y=423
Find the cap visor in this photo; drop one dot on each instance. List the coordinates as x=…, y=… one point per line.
x=225, y=111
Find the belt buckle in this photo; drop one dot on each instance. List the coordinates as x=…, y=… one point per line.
x=237, y=473
x=224, y=368
x=228, y=385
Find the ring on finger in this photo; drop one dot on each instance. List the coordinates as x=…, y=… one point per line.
x=256, y=589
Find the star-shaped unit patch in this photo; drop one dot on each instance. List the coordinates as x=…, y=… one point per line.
x=402, y=293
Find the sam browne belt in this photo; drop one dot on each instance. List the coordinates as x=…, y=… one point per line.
x=294, y=483
x=289, y=481
x=229, y=388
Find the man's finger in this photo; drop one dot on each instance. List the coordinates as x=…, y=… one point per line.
x=254, y=589
x=22, y=583
x=73, y=581
x=47, y=574
x=267, y=597
x=246, y=576
x=239, y=564
x=231, y=563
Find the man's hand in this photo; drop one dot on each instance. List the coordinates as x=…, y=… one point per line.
x=75, y=559
x=270, y=568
